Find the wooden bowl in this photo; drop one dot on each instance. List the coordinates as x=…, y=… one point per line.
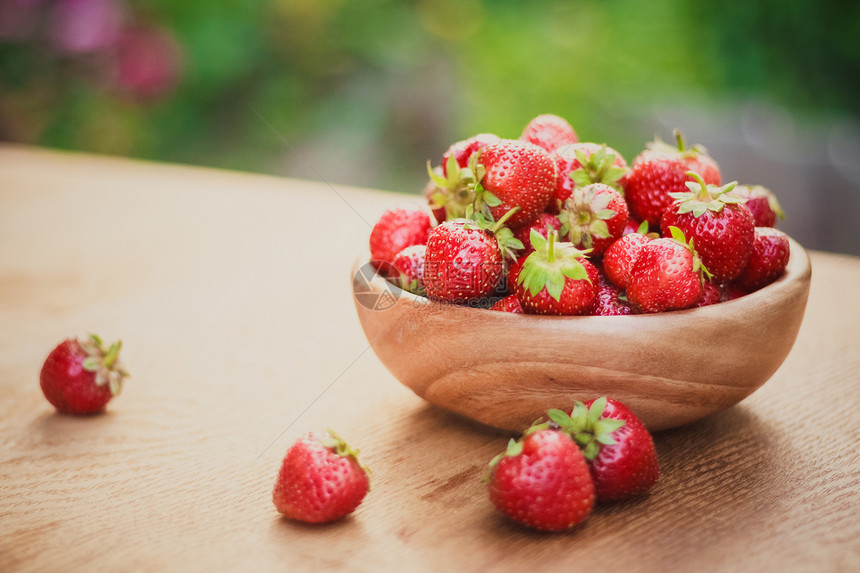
x=506, y=370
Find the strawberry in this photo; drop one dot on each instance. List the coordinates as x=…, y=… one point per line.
x=320, y=480
x=556, y=279
x=718, y=223
x=711, y=294
x=585, y=163
x=593, y=217
x=620, y=256
x=611, y=301
x=618, y=448
x=661, y=170
x=543, y=225
x=761, y=202
x=509, y=303
x=770, y=254
x=452, y=186
x=516, y=174
x=542, y=481
x=409, y=264
x=666, y=275
x=464, y=260
x=549, y=132
x=396, y=230
x=81, y=376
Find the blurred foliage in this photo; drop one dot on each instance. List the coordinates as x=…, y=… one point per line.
x=365, y=92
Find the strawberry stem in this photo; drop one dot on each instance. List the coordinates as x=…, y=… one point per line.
x=679, y=139
x=504, y=218
x=550, y=253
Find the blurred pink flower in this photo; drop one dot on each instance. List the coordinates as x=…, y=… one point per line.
x=84, y=26
x=148, y=62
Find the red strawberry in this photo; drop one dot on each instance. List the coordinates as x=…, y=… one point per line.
x=464, y=260
x=544, y=224
x=667, y=275
x=452, y=186
x=542, y=481
x=659, y=171
x=593, y=217
x=633, y=225
x=585, y=163
x=711, y=294
x=556, y=279
x=620, y=256
x=396, y=230
x=81, y=377
x=618, y=448
x=409, y=264
x=695, y=158
x=508, y=304
x=320, y=480
x=549, y=132
x=718, y=224
x=770, y=254
x=516, y=174
x=611, y=301
x=762, y=204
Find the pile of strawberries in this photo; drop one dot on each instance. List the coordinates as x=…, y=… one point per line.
x=546, y=224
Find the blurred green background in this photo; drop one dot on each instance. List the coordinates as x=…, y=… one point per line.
x=365, y=92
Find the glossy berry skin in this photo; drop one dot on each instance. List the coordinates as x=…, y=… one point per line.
x=463, y=150
x=723, y=239
x=648, y=183
x=577, y=298
x=620, y=256
x=509, y=303
x=567, y=163
x=317, y=485
x=761, y=203
x=409, y=268
x=663, y=277
x=549, y=132
x=396, y=230
x=544, y=223
x=711, y=294
x=462, y=263
x=693, y=160
x=629, y=467
x=518, y=174
x=609, y=302
x=547, y=486
x=770, y=254
x=68, y=386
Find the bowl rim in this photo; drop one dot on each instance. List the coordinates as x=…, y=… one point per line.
x=798, y=270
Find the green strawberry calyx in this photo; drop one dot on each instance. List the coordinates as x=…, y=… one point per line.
x=339, y=446
x=509, y=245
x=680, y=148
x=702, y=197
x=104, y=363
x=698, y=267
x=584, y=215
x=598, y=168
x=750, y=191
x=587, y=426
x=551, y=265
x=460, y=188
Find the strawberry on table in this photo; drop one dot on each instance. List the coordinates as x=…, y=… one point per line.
x=320, y=480
x=718, y=223
x=80, y=376
x=516, y=174
x=549, y=132
x=593, y=217
x=618, y=448
x=556, y=279
x=542, y=481
x=770, y=254
x=666, y=275
x=396, y=230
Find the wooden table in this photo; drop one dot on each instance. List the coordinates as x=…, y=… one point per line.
x=232, y=296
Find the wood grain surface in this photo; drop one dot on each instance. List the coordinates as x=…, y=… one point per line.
x=232, y=297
